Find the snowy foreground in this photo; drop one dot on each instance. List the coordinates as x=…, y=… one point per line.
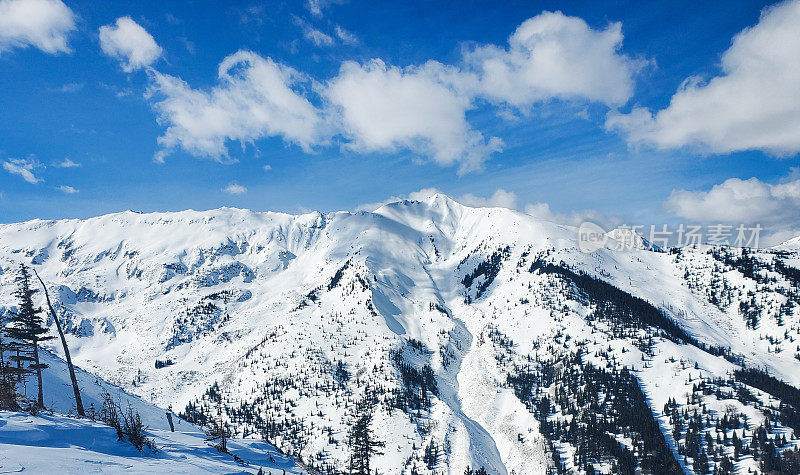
x=50, y=444
x=475, y=337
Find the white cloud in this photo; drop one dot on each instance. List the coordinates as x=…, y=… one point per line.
x=313, y=35
x=129, y=43
x=423, y=108
x=753, y=105
x=574, y=218
x=421, y=194
x=254, y=99
x=322, y=39
x=499, y=199
x=235, y=189
x=44, y=24
x=267, y=168
x=375, y=107
x=346, y=37
x=317, y=37
x=776, y=207
x=384, y=108
x=316, y=7
x=189, y=45
x=68, y=88
x=23, y=168
x=67, y=189
x=555, y=56
x=66, y=163
x=252, y=15
x=739, y=201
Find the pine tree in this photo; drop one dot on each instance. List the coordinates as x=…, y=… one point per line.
x=219, y=430
x=27, y=328
x=8, y=383
x=431, y=455
x=362, y=442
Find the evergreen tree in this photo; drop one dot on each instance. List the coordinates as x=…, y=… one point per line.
x=8, y=383
x=431, y=456
x=27, y=328
x=362, y=442
x=218, y=430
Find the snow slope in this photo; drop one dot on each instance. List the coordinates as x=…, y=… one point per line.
x=52, y=441
x=55, y=444
x=289, y=321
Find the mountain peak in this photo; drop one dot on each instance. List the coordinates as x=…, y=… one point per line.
x=443, y=312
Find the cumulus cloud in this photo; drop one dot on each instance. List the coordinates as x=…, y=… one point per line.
x=255, y=98
x=752, y=105
x=235, y=189
x=23, y=168
x=385, y=108
x=44, y=24
x=739, y=201
x=128, y=42
x=556, y=56
x=67, y=189
x=376, y=107
x=423, y=108
x=776, y=207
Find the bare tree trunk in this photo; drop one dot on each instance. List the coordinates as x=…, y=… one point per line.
x=3, y=368
x=40, y=395
x=75, y=389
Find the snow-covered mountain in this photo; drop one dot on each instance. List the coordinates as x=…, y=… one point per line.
x=480, y=337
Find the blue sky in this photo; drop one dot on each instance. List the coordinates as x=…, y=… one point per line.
x=66, y=92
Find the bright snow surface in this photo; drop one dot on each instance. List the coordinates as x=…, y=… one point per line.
x=52, y=442
x=266, y=305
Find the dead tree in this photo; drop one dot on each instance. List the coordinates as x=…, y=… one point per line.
x=75, y=389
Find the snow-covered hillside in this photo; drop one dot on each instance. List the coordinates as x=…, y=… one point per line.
x=56, y=441
x=50, y=443
x=480, y=337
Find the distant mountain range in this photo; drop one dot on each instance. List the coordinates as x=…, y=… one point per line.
x=474, y=337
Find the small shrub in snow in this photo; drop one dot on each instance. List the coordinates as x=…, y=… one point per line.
x=128, y=423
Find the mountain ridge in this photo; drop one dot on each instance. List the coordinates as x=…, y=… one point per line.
x=429, y=309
